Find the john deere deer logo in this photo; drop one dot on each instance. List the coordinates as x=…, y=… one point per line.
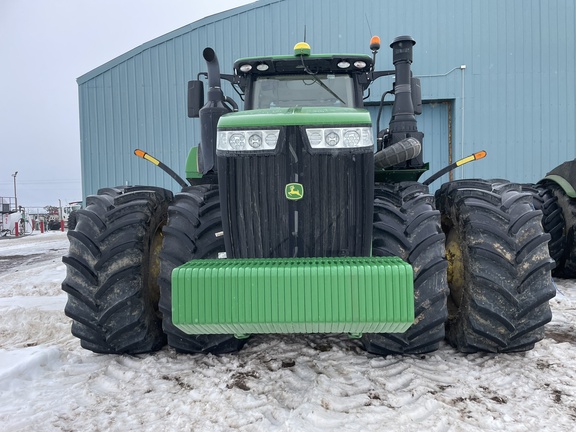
x=294, y=191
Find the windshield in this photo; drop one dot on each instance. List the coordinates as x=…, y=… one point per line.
x=303, y=90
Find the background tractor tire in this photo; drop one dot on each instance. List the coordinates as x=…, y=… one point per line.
x=72, y=220
x=566, y=263
x=407, y=225
x=112, y=270
x=552, y=221
x=499, y=266
x=53, y=225
x=193, y=231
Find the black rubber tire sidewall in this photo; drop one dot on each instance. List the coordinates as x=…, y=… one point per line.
x=407, y=225
x=553, y=222
x=193, y=231
x=502, y=304
x=566, y=263
x=110, y=281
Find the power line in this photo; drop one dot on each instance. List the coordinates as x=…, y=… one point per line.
x=42, y=182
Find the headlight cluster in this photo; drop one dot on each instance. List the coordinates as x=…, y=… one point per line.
x=247, y=140
x=350, y=137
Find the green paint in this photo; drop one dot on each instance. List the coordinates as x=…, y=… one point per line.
x=563, y=183
x=298, y=116
x=293, y=295
x=396, y=176
x=192, y=164
x=311, y=58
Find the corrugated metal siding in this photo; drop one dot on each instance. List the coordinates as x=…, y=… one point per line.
x=518, y=99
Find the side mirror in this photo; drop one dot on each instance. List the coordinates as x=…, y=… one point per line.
x=195, y=98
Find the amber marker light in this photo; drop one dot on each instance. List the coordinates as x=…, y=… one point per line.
x=474, y=156
x=478, y=155
x=142, y=154
x=375, y=43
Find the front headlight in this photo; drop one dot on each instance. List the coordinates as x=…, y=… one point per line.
x=335, y=138
x=247, y=140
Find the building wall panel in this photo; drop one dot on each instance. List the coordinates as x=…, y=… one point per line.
x=515, y=98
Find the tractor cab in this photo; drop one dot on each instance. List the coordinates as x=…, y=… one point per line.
x=303, y=80
x=307, y=89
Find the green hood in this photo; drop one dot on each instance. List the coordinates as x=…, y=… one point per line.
x=298, y=116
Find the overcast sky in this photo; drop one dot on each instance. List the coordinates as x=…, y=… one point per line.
x=44, y=46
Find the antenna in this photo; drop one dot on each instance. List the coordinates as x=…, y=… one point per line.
x=304, y=32
x=368, y=24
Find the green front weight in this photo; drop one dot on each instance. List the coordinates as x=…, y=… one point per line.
x=293, y=295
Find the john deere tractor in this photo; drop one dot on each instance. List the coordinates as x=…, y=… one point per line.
x=555, y=196
x=296, y=218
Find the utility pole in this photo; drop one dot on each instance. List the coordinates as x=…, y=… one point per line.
x=15, y=196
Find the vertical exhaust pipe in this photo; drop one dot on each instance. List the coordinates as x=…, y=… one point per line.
x=403, y=118
x=210, y=113
x=213, y=74
x=403, y=142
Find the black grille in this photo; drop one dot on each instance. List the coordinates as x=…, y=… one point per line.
x=334, y=217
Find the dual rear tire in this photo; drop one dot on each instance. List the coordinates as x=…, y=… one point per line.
x=122, y=252
x=499, y=266
x=489, y=292
x=112, y=270
x=495, y=273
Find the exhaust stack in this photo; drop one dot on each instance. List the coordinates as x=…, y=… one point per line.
x=403, y=141
x=210, y=113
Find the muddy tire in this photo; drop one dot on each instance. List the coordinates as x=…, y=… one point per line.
x=499, y=266
x=566, y=263
x=112, y=270
x=193, y=231
x=407, y=225
x=552, y=221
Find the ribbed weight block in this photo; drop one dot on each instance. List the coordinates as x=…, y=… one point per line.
x=293, y=295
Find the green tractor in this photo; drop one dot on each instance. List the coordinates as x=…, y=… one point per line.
x=555, y=196
x=295, y=218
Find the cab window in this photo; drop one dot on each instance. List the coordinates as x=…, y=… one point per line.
x=320, y=90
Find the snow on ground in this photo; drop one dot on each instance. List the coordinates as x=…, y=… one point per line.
x=276, y=383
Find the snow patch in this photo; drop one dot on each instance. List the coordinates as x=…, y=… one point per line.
x=276, y=383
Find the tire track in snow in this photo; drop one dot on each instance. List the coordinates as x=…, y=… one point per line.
x=277, y=383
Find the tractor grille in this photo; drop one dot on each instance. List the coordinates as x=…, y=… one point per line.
x=333, y=218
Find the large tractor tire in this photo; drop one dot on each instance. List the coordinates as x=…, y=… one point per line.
x=499, y=266
x=407, y=225
x=193, y=231
x=552, y=221
x=112, y=270
x=566, y=262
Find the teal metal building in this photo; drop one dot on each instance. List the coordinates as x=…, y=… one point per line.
x=496, y=75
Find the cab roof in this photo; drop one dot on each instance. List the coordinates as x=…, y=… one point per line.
x=319, y=63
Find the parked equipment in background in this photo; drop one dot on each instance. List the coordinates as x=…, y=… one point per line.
x=63, y=217
x=555, y=196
